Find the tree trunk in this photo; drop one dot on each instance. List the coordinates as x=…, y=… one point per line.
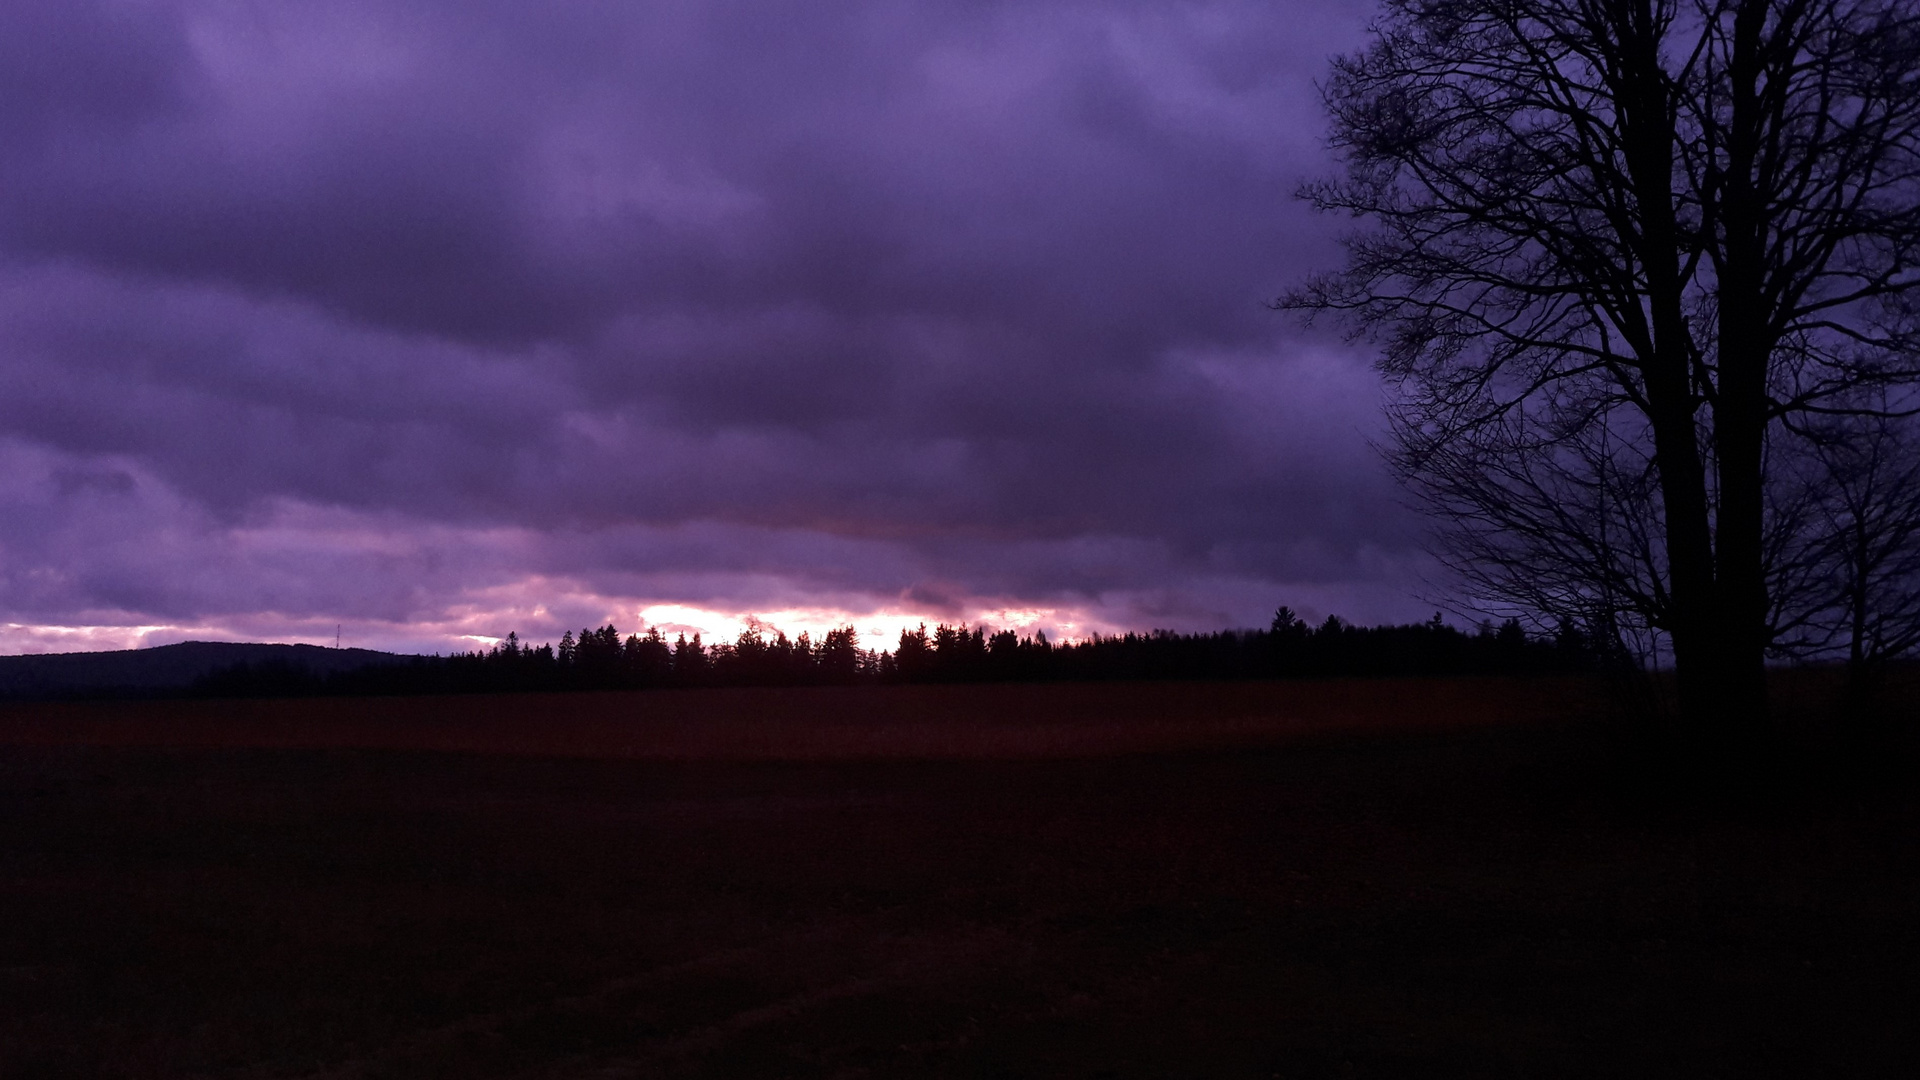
x=1739, y=437
x=1746, y=345
x=1701, y=657
x=1739, y=440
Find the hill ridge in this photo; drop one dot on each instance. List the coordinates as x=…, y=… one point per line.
x=165, y=668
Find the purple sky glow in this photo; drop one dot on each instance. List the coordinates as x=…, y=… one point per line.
x=434, y=319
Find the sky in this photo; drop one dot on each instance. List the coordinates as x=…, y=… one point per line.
x=419, y=321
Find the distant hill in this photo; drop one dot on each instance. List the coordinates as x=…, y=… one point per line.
x=167, y=668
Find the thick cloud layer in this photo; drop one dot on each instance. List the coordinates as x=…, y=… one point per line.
x=438, y=318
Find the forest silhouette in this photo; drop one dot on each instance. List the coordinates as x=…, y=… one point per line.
x=604, y=659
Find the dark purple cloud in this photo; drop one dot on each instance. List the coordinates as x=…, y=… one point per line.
x=432, y=317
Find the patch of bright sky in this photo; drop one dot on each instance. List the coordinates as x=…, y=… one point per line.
x=480, y=626
x=25, y=638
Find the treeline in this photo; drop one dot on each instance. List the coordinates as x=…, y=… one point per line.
x=604, y=659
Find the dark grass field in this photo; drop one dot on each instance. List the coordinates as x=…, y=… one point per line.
x=1374, y=879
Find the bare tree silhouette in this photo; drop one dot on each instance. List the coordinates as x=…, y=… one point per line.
x=1622, y=258
x=1866, y=546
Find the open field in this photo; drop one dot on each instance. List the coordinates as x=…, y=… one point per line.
x=1004, y=721
x=1369, y=878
